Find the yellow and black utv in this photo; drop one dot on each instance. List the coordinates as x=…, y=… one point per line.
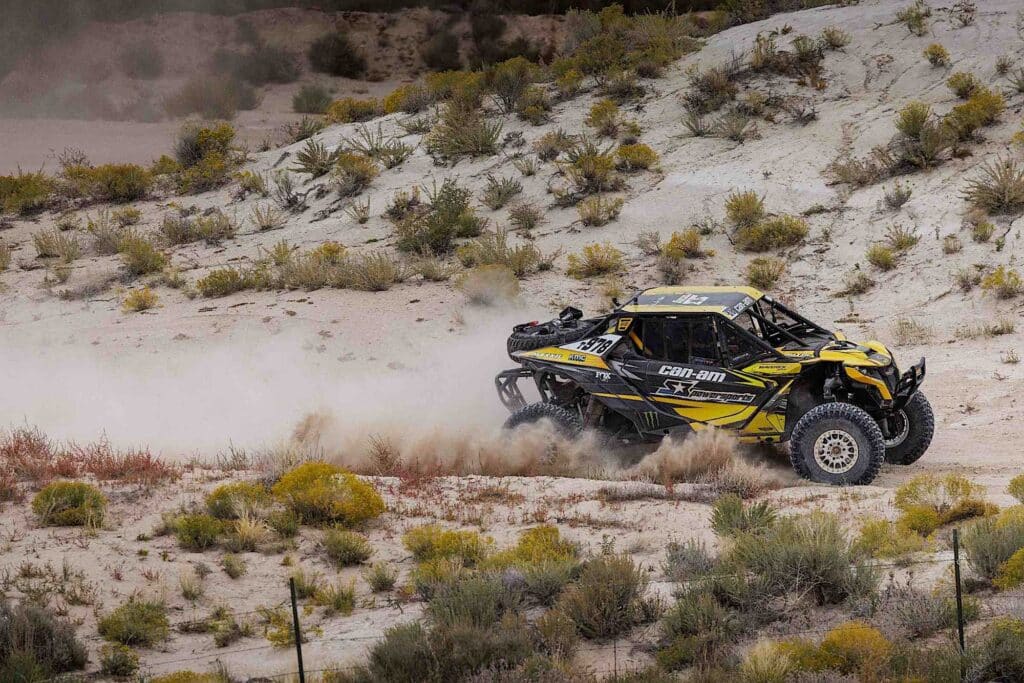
x=678, y=359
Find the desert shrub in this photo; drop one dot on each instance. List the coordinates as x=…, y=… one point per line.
x=963, y=84
x=431, y=542
x=376, y=271
x=927, y=502
x=410, y=98
x=141, y=256
x=314, y=159
x=590, y=169
x=744, y=209
x=351, y=110
x=212, y=97
x=882, y=538
x=763, y=273
x=853, y=647
x=553, y=143
x=605, y=118
x=499, y=191
x=210, y=172
x=489, y=285
x=695, y=629
x=196, y=142
x=999, y=189
x=595, y=259
x=493, y=248
x=197, y=531
x=55, y=244
x=881, y=256
x=808, y=554
x=334, y=54
x=285, y=523
x=237, y=499
x=921, y=613
x=5, y=257
x=45, y=643
x=685, y=244
x=346, y=548
x=525, y=217
x=688, y=560
x=1016, y=488
x=730, y=517
x=599, y=210
x=635, y=157
x=983, y=108
x=135, y=622
x=380, y=577
x=777, y=232
x=937, y=55
x=338, y=598
x=998, y=651
x=141, y=299
x=477, y=600
x=605, y=601
x=69, y=503
x=991, y=541
x=233, y=565
x=1003, y=282
x=911, y=120
x=449, y=217
x=118, y=660
x=896, y=196
x=25, y=193
x=510, y=80
x=321, y=493
x=121, y=183
x=311, y=98
x=441, y=51
x=352, y=173
x=462, y=130
x=262, y=64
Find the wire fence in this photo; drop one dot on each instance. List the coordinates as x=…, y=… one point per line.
x=950, y=559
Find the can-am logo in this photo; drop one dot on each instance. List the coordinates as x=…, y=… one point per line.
x=690, y=373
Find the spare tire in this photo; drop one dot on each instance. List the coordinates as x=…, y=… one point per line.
x=552, y=333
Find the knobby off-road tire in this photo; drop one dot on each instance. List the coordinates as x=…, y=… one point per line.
x=567, y=422
x=548, y=334
x=915, y=427
x=837, y=443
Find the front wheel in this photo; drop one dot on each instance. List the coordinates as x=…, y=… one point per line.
x=913, y=429
x=837, y=443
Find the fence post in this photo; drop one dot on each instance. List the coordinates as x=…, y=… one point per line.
x=959, y=604
x=298, y=631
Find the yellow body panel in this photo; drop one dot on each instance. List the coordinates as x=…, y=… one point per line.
x=856, y=375
x=768, y=368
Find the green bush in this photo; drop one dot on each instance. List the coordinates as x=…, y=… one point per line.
x=196, y=142
x=990, y=542
x=777, y=232
x=462, y=130
x=238, y=499
x=197, y=531
x=320, y=493
x=606, y=600
x=729, y=516
x=121, y=183
x=25, y=193
x=40, y=641
x=1016, y=488
x=346, y=548
x=140, y=255
x=695, y=629
x=69, y=503
x=311, y=99
x=477, y=600
x=435, y=230
x=997, y=654
x=927, y=502
x=118, y=660
x=431, y=542
x=334, y=54
x=136, y=622
x=222, y=282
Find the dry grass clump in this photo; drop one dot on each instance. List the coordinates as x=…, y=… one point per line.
x=595, y=259
x=936, y=55
x=204, y=157
x=376, y=271
x=136, y=622
x=635, y=157
x=499, y=191
x=764, y=272
x=729, y=516
x=352, y=110
x=605, y=118
x=493, y=248
x=118, y=661
x=1003, y=282
x=881, y=256
x=999, y=189
x=744, y=209
x=56, y=244
x=685, y=244
x=907, y=331
x=963, y=84
x=915, y=16
x=380, y=577
x=5, y=257
x=552, y=144
x=386, y=150
x=462, y=130
x=141, y=299
x=237, y=499
x=431, y=542
x=927, y=502
x=992, y=541
x=141, y=256
x=608, y=598
x=25, y=193
x=352, y=173
x=265, y=217
x=196, y=531
x=897, y=195
x=598, y=211
x=882, y=538
x=320, y=493
x=525, y=217
x=69, y=503
x=489, y=285
x=777, y=232
x=346, y=548
x=314, y=159
x=589, y=170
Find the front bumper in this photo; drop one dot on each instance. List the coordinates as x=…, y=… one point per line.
x=908, y=384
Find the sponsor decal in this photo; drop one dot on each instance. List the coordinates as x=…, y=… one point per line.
x=624, y=324
x=595, y=345
x=577, y=358
x=691, y=373
x=688, y=389
x=650, y=419
x=690, y=300
x=603, y=376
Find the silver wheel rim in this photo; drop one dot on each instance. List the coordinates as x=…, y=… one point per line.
x=836, y=451
x=904, y=424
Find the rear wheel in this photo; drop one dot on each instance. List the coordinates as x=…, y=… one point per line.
x=837, y=443
x=565, y=421
x=913, y=428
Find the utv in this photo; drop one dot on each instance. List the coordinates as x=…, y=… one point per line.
x=678, y=359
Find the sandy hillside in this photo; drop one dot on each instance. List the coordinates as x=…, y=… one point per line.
x=332, y=370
